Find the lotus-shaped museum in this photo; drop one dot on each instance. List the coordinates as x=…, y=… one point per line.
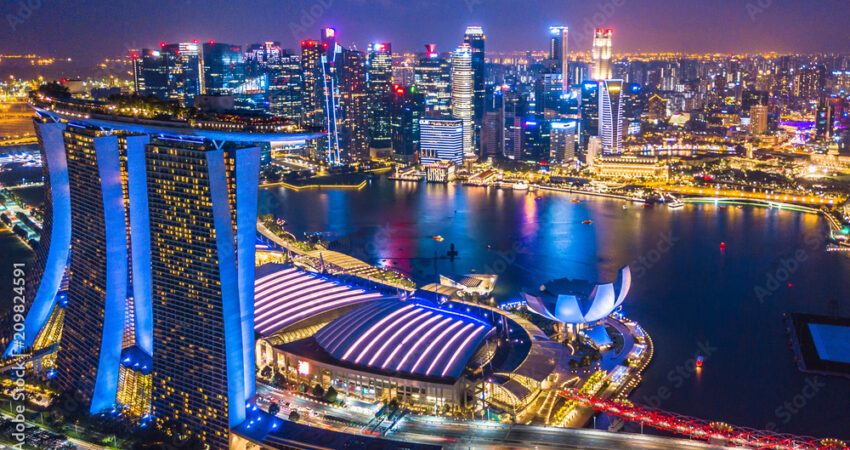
x=579, y=302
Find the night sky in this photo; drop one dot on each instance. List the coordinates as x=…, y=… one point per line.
x=88, y=30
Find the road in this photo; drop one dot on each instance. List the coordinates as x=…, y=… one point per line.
x=454, y=434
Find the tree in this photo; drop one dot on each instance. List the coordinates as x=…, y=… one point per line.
x=331, y=395
x=266, y=372
x=318, y=390
x=294, y=416
x=274, y=408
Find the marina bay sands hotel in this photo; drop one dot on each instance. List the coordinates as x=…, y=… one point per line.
x=144, y=276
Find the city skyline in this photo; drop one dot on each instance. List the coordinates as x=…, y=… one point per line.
x=656, y=25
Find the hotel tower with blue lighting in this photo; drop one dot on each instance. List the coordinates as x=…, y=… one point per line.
x=143, y=302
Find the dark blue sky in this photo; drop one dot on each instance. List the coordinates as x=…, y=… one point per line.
x=90, y=29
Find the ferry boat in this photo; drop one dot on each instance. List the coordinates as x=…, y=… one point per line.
x=520, y=186
x=675, y=204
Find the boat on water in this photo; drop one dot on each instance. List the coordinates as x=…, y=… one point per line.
x=625, y=207
x=438, y=238
x=675, y=204
x=520, y=186
x=587, y=222
x=576, y=200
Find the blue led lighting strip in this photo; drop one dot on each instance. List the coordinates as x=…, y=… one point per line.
x=228, y=275
x=115, y=223
x=53, y=147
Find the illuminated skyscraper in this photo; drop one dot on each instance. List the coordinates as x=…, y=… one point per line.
x=203, y=210
x=559, y=53
x=475, y=38
x=441, y=140
x=223, y=68
x=157, y=238
x=330, y=60
x=286, y=88
x=185, y=62
x=433, y=77
x=611, y=115
x=354, y=137
x=463, y=95
x=405, y=111
x=311, y=79
x=379, y=79
x=150, y=73
x=602, y=52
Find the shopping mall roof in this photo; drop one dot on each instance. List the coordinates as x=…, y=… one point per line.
x=411, y=337
x=285, y=295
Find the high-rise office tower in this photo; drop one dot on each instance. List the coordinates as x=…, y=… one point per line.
x=475, y=38
x=589, y=108
x=463, y=95
x=223, y=68
x=185, y=62
x=758, y=119
x=535, y=138
x=330, y=60
x=602, y=52
x=286, y=88
x=260, y=57
x=150, y=73
x=563, y=139
x=312, y=84
x=405, y=111
x=825, y=119
x=559, y=54
x=441, y=140
x=203, y=209
x=810, y=82
x=432, y=76
x=611, y=115
x=354, y=138
x=379, y=79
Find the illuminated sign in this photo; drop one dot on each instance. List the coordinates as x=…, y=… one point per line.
x=303, y=368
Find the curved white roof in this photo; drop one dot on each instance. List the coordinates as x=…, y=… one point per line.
x=571, y=308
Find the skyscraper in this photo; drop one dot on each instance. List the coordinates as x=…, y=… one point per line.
x=475, y=38
x=154, y=238
x=463, y=95
x=432, y=76
x=441, y=140
x=223, y=68
x=758, y=119
x=563, y=139
x=185, y=62
x=286, y=88
x=203, y=210
x=330, y=60
x=611, y=115
x=354, y=138
x=602, y=52
x=107, y=271
x=310, y=76
x=379, y=80
x=559, y=54
x=405, y=112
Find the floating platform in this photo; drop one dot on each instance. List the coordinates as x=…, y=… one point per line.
x=821, y=343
